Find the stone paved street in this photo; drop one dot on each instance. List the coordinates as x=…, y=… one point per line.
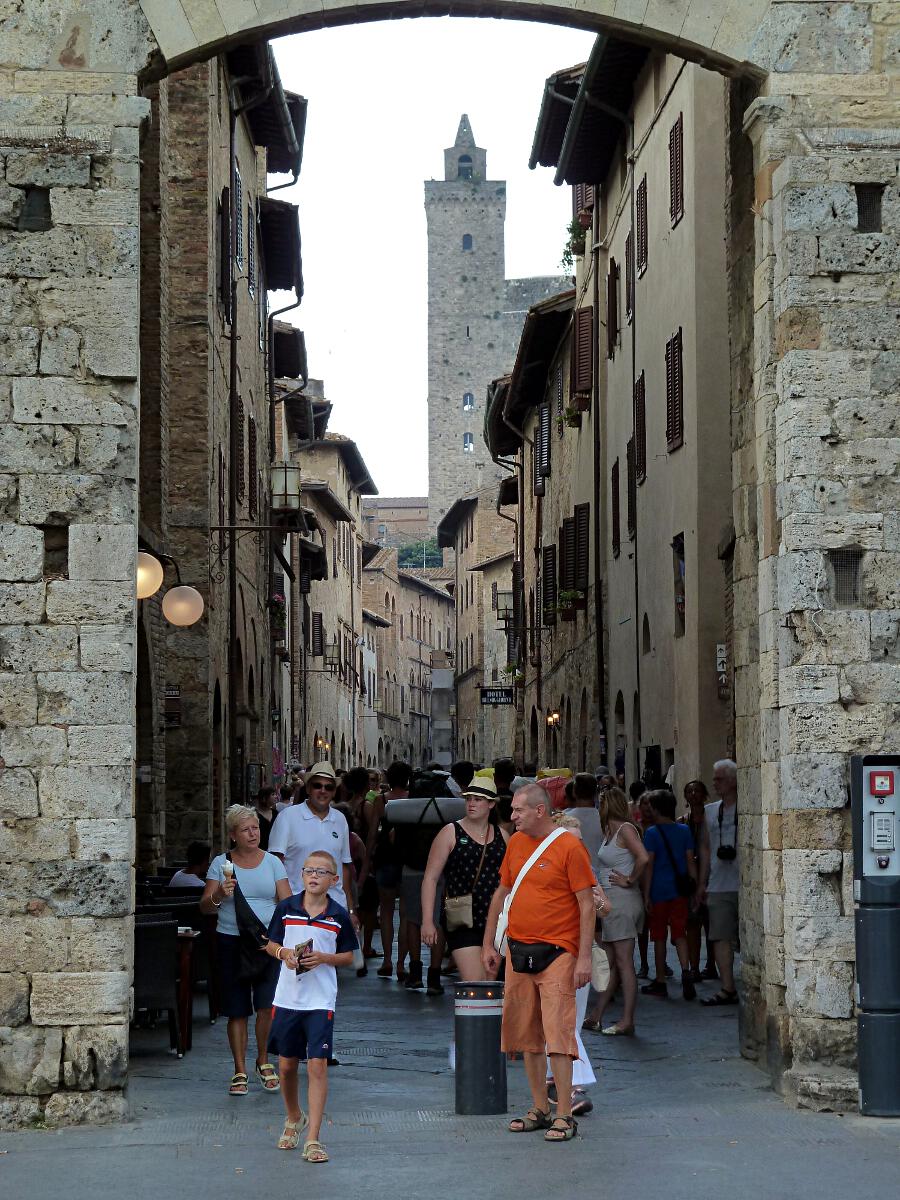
x=678, y=1113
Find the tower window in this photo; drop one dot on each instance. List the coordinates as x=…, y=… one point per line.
x=468, y=402
x=467, y=241
x=468, y=443
x=464, y=167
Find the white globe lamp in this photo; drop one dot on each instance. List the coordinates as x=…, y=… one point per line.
x=182, y=605
x=149, y=575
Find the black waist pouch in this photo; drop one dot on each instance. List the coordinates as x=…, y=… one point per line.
x=530, y=958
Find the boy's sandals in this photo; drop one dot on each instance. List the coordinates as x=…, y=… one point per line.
x=265, y=1073
x=238, y=1085
x=561, y=1129
x=314, y=1152
x=533, y=1119
x=290, y=1139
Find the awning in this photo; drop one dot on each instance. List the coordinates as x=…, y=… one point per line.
x=280, y=232
x=508, y=492
x=446, y=530
x=278, y=120
x=289, y=352
x=498, y=437
x=325, y=497
x=560, y=91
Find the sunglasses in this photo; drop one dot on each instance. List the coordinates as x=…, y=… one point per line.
x=322, y=786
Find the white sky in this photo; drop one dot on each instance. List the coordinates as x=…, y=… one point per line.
x=384, y=101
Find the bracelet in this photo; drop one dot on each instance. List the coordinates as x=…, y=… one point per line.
x=215, y=903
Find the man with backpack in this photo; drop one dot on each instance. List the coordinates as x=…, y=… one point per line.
x=669, y=883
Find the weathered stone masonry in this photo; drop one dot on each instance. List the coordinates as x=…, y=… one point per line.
x=815, y=470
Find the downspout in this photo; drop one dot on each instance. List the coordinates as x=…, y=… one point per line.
x=598, y=493
x=526, y=441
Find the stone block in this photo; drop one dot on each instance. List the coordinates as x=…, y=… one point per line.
x=814, y=781
x=84, y=697
x=77, y=600
x=102, y=552
x=831, y=728
x=101, y=745
x=21, y=553
x=104, y=841
x=108, y=449
x=773, y=914
x=9, y=497
x=27, y=648
x=82, y=998
x=85, y=792
x=18, y=795
x=33, y=943
x=18, y=700
x=65, y=402
x=822, y=989
x=60, y=352
x=46, y=111
x=14, y=992
x=10, y=203
x=49, y=169
x=112, y=252
x=801, y=579
x=871, y=683
x=107, y=304
x=808, y=685
x=819, y=208
x=32, y=746
x=832, y=637
x=107, y=647
x=95, y=1057
x=831, y=1041
x=19, y=1112
x=85, y=1108
x=874, y=326
x=819, y=38
x=30, y=1060
x=18, y=350
x=61, y=498
x=96, y=945
x=33, y=840
x=858, y=253
x=57, y=252
x=18, y=303
x=108, y=110
x=880, y=586
x=807, y=890
x=885, y=636
x=81, y=206
x=812, y=531
x=24, y=447
x=816, y=829
x=114, y=358
x=827, y=939
x=66, y=889
x=115, y=170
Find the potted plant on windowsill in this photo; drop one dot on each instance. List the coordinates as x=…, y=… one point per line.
x=572, y=417
x=569, y=602
x=574, y=247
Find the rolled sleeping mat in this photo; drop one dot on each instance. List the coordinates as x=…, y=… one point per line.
x=425, y=810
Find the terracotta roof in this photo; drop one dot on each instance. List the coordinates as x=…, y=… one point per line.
x=395, y=502
x=375, y=618
x=490, y=562
x=381, y=560
x=360, y=478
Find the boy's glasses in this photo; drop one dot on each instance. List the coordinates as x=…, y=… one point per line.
x=318, y=872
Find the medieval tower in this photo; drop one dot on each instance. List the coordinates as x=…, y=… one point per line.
x=475, y=318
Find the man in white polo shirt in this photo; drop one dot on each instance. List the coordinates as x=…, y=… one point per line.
x=300, y=830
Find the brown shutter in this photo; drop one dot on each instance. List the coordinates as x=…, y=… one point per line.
x=304, y=577
x=252, y=498
x=568, y=550
x=616, y=533
x=544, y=441
x=240, y=482
x=629, y=277
x=590, y=196
x=225, y=252
x=674, y=393
x=612, y=308
x=577, y=198
x=238, y=219
x=549, y=585
x=582, y=546
x=631, y=493
x=251, y=251
x=494, y=595
x=640, y=428
x=641, y=223
x=676, y=170
x=318, y=636
x=584, y=349
x=518, y=588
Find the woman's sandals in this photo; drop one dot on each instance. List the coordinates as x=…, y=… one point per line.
x=290, y=1139
x=533, y=1119
x=314, y=1152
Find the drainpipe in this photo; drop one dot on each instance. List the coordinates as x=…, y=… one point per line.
x=526, y=441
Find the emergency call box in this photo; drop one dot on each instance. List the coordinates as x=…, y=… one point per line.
x=881, y=783
x=876, y=827
x=883, y=830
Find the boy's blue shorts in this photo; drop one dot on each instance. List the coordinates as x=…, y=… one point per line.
x=302, y=1033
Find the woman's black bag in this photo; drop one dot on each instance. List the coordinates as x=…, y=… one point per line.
x=253, y=935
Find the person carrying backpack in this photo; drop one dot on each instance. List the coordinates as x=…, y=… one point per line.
x=669, y=883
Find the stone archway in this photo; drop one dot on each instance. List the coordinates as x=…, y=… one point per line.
x=811, y=382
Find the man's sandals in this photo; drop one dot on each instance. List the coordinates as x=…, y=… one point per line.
x=561, y=1129
x=238, y=1085
x=720, y=999
x=266, y=1075
x=533, y=1119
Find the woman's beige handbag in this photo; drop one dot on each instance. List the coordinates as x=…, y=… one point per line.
x=599, y=969
x=458, y=912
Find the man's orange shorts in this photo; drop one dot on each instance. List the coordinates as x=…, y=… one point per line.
x=539, y=1010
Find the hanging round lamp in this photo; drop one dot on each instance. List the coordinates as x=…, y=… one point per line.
x=149, y=575
x=182, y=605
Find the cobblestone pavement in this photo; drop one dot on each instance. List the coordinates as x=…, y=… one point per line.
x=678, y=1113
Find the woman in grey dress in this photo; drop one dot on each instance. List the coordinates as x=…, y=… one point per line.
x=621, y=860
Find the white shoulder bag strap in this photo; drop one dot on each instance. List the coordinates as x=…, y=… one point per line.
x=503, y=919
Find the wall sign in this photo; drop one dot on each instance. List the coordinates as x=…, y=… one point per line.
x=497, y=695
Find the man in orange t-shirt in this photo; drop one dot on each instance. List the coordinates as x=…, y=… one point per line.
x=551, y=920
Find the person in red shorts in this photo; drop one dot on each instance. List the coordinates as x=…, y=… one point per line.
x=669, y=883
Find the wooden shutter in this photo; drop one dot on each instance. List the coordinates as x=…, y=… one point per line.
x=252, y=497
x=640, y=429
x=544, y=441
x=641, y=224
x=568, y=551
x=238, y=219
x=240, y=482
x=584, y=349
x=518, y=590
x=676, y=170
x=548, y=583
x=318, y=636
x=225, y=252
x=629, y=277
x=674, y=393
x=616, y=533
x=583, y=198
x=221, y=504
x=582, y=546
x=612, y=308
x=251, y=251
x=631, y=492
x=304, y=577
x=494, y=595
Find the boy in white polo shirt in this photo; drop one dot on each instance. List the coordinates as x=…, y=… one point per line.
x=312, y=932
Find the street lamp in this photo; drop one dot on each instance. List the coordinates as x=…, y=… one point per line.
x=332, y=656
x=504, y=606
x=181, y=605
x=284, y=480
x=150, y=575
x=552, y=719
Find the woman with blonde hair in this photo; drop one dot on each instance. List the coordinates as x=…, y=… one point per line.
x=621, y=860
x=244, y=885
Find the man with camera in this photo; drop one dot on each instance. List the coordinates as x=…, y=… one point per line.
x=720, y=871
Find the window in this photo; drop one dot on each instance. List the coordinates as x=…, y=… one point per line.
x=678, y=581
x=583, y=198
x=676, y=170
x=251, y=251
x=567, y=555
x=640, y=429
x=468, y=402
x=612, y=308
x=252, y=498
x=640, y=220
x=464, y=167
x=674, y=393
x=542, y=445
x=582, y=546
x=631, y=491
x=583, y=355
x=646, y=643
x=239, y=483
x=467, y=241
x=614, y=487
x=318, y=636
x=629, y=278
x=468, y=443
x=239, y=219
x=548, y=585
x=494, y=595
x=868, y=207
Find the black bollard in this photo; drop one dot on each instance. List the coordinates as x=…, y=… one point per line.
x=480, y=1064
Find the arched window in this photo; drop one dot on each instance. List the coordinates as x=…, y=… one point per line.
x=646, y=646
x=401, y=625
x=467, y=241
x=464, y=166
x=468, y=402
x=468, y=443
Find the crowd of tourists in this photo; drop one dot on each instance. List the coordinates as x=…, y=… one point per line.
x=557, y=884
